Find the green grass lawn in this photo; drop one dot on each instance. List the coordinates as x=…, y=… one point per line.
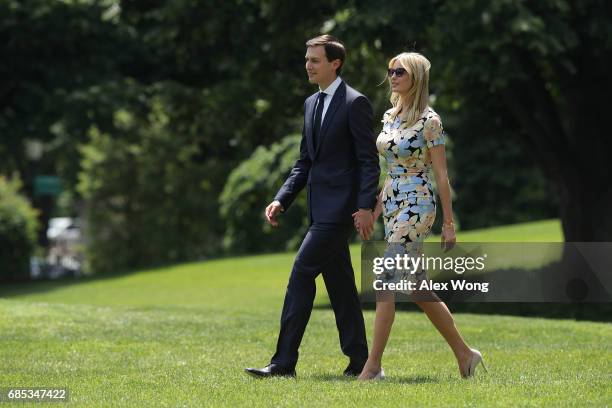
x=181, y=336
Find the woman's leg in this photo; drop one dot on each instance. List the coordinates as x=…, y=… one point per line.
x=385, y=314
x=442, y=319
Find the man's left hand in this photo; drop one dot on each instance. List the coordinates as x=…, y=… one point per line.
x=364, y=223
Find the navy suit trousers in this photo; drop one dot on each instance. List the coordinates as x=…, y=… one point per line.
x=324, y=250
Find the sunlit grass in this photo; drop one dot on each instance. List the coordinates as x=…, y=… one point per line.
x=181, y=336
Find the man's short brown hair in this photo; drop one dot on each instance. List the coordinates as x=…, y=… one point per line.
x=334, y=49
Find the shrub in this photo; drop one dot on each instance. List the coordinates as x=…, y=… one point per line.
x=250, y=187
x=18, y=227
x=146, y=197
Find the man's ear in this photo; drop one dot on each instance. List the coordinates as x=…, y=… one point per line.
x=336, y=63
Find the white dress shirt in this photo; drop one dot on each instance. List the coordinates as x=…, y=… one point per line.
x=329, y=91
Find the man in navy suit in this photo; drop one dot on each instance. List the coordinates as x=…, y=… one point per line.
x=339, y=163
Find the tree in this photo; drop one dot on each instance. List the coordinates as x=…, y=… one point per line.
x=53, y=53
x=17, y=231
x=145, y=195
x=249, y=187
x=545, y=64
x=229, y=82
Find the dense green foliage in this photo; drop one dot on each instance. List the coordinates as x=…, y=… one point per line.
x=249, y=188
x=18, y=226
x=144, y=195
x=530, y=74
x=518, y=85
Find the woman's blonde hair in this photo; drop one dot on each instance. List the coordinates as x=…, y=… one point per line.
x=417, y=66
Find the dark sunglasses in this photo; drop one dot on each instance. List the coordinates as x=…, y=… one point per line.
x=399, y=72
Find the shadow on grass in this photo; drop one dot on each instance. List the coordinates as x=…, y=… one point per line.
x=570, y=290
x=419, y=379
x=393, y=380
x=597, y=312
x=16, y=288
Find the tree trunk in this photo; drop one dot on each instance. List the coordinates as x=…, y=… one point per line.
x=568, y=143
x=585, y=210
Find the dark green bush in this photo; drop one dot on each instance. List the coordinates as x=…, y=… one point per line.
x=250, y=187
x=147, y=198
x=18, y=225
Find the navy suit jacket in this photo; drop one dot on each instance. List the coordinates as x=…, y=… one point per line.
x=342, y=170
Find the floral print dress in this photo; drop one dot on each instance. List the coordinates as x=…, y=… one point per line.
x=409, y=203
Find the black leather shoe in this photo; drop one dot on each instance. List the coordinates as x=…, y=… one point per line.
x=271, y=370
x=353, y=370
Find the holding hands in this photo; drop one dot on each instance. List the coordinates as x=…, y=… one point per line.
x=364, y=220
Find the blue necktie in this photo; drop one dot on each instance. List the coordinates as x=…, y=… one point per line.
x=317, y=119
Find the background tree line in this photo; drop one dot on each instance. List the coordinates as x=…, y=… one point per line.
x=172, y=124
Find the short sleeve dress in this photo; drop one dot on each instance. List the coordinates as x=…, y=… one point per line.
x=408, y=200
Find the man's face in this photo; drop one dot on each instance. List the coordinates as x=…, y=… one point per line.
x=318, y=68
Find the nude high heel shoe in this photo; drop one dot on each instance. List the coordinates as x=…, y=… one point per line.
x=380, y=375
x=476, y=359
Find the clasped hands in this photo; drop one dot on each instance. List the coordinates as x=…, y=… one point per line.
x=364, y=222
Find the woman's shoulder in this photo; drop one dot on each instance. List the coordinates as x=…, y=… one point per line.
x=432, y=117
x=432, y=128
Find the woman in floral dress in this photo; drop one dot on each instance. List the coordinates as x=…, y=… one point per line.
x=412, y=142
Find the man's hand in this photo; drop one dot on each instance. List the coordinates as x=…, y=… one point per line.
x=364, y=223
x=272, y=211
